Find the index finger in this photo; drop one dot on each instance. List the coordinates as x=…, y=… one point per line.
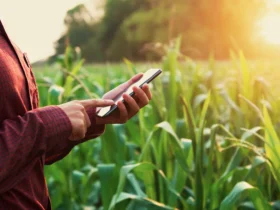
x=135, y=78
x=123, y=87
x=92, y=103
x=128, y=83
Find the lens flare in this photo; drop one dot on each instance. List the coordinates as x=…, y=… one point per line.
x=270, y=28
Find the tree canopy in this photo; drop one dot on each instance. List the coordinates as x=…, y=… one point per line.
x=130, y=28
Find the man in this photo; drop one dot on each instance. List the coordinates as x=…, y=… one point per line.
x=31, y=137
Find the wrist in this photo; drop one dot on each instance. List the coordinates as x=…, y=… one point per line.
x=97, y=124
x=99, y=120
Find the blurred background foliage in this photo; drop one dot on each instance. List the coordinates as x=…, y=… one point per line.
x=209, y=139
x=136, y=29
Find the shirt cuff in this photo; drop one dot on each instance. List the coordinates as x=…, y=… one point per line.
x=60, y=151
x=94, y=130
x=58, y=127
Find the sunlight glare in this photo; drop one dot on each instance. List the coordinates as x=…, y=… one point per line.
x=276, y=1
x=270, y=28
x=273, y=2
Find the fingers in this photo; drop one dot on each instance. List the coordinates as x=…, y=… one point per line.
x=80, y=131
x=123, y=87
x=132, y=105
x=147, y=91
x=135, y=78
x=130, y=82
x=92, y=103
x=78, y=116
x=132, y=108
x=123, y=112
x=87, y=120
x=143, y=99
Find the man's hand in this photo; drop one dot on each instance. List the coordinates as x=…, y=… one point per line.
x=76, y=112
x=121, y=88
x=132, y=104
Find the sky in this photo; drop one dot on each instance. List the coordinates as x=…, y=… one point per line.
x=34, y=25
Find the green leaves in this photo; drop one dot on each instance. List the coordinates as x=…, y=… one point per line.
x=243, y=189
x=108, y=177
x=175, y=142
x=69, y=79
x=208, y=151
x=142, y=202
x=272, y=146
x=141, y=169
x=55, y=95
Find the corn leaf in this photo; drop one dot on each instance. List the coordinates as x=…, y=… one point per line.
x=144, y=202
x=272, y=145
x=240, y=190
x=109, y=180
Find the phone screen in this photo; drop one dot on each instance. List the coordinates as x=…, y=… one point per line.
x=146, y=78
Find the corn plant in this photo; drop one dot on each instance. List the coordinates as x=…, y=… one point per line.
x=208, y=140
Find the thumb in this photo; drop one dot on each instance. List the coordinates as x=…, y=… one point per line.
x=92, y=103
x=135, y=78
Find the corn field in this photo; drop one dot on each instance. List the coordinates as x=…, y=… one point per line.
x=209, y=139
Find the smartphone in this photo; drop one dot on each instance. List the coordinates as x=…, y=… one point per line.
x=145, y=79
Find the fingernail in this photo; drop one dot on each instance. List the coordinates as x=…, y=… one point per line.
x=125, y=95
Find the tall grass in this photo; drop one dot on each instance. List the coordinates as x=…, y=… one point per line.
x=203, y=142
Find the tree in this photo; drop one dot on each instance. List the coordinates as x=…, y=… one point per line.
x=129, y=25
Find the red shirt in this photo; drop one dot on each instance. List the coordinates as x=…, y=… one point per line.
x=30, y=137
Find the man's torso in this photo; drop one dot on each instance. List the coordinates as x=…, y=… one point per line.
x=18, y=94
